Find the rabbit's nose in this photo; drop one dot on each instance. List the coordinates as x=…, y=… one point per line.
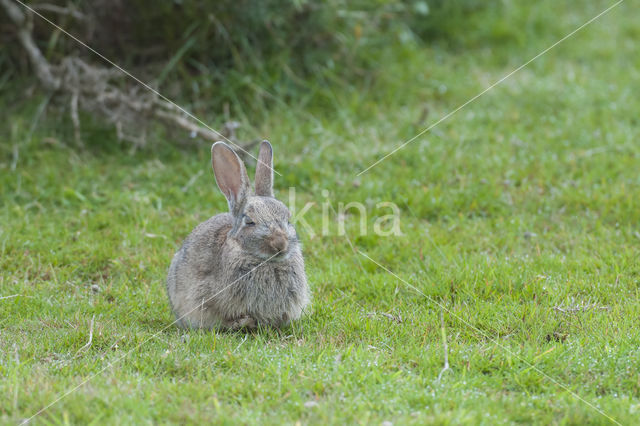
x=278, y=241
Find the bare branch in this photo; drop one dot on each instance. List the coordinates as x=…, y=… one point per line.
x=100, y=91
x=75, y=118
x=184, y=123
x=70, y=11
x=25, y=26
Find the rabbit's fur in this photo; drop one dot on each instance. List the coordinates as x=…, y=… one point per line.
x=242, y=268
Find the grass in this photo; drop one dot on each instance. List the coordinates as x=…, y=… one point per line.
x=524, y=202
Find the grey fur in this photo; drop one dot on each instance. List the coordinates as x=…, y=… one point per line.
x=219, y=277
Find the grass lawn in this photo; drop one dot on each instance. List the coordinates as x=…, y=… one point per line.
x=520, y=216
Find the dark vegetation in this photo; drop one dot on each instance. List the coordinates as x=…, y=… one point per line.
x=250, y=54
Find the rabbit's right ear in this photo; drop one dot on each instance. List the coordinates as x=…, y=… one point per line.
x=264, y=170
x=231, y=176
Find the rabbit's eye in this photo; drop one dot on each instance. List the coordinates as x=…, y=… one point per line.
x=248, y=221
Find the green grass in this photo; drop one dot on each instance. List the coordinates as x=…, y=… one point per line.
x=526, y=200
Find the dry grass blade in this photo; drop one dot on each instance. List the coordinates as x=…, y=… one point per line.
x=89, y=342
x=10, y=297
x=445, y=347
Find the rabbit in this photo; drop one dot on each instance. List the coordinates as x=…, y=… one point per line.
x=242, y=269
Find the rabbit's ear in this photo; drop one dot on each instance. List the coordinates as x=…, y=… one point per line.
x=264, y=170
x=231, y=176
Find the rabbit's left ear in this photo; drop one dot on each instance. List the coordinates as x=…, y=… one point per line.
x=264, y=170
x=231, y=176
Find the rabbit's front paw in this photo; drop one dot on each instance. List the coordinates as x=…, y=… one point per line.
x=242, y=322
